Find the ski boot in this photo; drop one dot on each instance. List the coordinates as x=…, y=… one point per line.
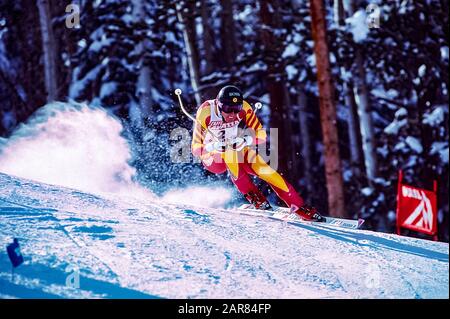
x=258, y=200
x=307, y=212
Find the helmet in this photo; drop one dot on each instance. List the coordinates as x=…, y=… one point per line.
x=230, y=99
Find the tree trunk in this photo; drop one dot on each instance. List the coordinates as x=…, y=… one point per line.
x=354, y=141
x=304, y=135
x=186, y=17
x=305, y=139
x=366, y=124
x=362, y=100
x=144, y=82
x=228, y=33
x=207, y=36
x=29, y=51
x=208, y=46
x=275, y=80
x=291, y=157
x=333, y=169
x=339, y=13
x=353, y=129
x=48, y=48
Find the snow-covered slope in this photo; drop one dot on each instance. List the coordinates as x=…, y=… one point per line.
x=126, y=247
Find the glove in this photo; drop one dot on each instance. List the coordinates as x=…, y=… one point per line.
x=207, y=159
x=215, y=146
x=248, y=140
x=240, y=142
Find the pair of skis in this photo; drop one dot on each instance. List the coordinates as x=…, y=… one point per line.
x=284, y=214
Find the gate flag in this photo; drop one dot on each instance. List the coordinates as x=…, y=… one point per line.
x=416, y=208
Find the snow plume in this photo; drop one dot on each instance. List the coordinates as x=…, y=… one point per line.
x=214, y=197
x=72, y=145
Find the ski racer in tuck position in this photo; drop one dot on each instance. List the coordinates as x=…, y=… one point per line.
x=226, y=133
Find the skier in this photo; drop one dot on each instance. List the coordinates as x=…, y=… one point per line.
x=226, y=133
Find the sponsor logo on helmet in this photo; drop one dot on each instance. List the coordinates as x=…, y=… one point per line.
x=235, y=99
x=234, y=94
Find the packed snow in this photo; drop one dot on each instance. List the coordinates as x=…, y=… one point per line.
x=125, y=247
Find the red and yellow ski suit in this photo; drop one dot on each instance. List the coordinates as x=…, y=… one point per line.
x=240, y=164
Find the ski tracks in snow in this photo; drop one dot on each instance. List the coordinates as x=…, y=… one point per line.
x=140, y=247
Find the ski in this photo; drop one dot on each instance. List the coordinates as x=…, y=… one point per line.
x=284, y=214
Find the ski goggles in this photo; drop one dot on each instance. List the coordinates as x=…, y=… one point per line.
x=230, y=108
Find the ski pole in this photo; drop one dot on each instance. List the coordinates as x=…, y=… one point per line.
x=258, y=106
x=178, y=94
